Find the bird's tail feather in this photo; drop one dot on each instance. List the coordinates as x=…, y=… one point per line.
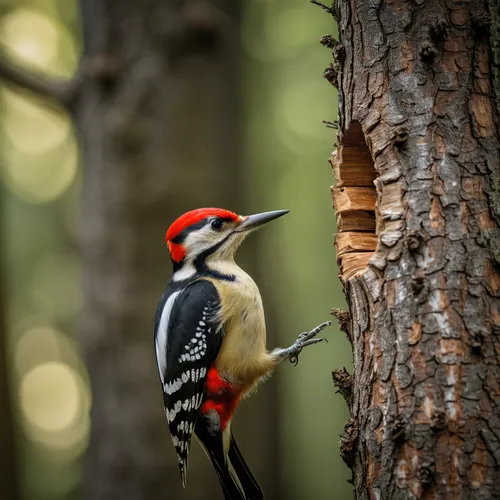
x=251, y=488
x=214, y=448
x=229, y=486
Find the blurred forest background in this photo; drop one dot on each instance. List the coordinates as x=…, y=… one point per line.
x=245, y=133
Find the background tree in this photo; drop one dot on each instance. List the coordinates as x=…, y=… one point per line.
x=419, y=251
x=9, y=487
x=283, y=141
x=149, y=124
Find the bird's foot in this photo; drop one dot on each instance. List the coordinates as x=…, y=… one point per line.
x=303, y=340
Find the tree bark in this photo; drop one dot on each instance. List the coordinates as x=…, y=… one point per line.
x=417, y=113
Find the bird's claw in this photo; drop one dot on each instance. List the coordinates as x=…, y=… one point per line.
x=305, y=339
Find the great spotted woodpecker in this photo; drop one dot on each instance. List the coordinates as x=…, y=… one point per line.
x=210, y=341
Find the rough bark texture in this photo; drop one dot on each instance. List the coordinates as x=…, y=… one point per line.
x=425, y=312
x=158, y=119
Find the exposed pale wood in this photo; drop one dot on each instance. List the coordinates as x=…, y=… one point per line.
x=353, y=175
x=348, y=154
x=355, y=242
x=354, y=198
x=347, y=199
x=352, y=263
x=353, y=166
x=356, y=221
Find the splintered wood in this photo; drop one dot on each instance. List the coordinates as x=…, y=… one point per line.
x=354, y=198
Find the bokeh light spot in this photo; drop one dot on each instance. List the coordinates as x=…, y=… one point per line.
x=55, y=402
x=30, y=35
x=41, y=178
x=36, y=345
x=50, y=398
x=31, y=128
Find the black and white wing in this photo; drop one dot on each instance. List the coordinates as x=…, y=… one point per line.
x=187, y=341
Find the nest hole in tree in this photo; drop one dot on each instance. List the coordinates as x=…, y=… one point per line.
x=354, y=198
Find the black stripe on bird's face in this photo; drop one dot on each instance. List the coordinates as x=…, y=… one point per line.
x=200, y=262
x=216, y=223
x=202, y=240
x=191, y=229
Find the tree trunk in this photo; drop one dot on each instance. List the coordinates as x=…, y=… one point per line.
x=9, y=487
x=159, y=124
x=419, y=252
x=157, y=110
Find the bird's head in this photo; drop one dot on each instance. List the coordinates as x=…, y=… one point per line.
x=212, y=233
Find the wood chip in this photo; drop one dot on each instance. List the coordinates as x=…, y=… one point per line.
x=356, y=221
x=347, y=199
x=355, y=242
x=353, y=263
x=355, y=174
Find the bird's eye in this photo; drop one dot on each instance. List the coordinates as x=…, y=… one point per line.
x=216, y=223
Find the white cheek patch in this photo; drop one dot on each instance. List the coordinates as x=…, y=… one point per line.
x=185, y=272
x=203, y=239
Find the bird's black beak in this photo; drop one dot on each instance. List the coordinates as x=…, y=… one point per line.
x=254, y=221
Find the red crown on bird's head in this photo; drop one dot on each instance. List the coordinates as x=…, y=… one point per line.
x=177, y=250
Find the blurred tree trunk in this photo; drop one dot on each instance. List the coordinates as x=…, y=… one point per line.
x=8, y=463
x=159, y=121
x=157, y=110
x=421, y=268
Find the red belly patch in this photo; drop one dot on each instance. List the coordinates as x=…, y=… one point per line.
x=221, y=396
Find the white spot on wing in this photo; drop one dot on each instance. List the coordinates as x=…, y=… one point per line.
x=173, y=386
x=173, y=412
x=199, y=398
x=162, y=335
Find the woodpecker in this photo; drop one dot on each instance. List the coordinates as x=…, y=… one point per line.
x=210, y=341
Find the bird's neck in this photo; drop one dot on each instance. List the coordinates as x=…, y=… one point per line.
x=219, y=268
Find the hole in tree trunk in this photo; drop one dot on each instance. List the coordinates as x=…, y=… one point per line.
x=354, y=198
